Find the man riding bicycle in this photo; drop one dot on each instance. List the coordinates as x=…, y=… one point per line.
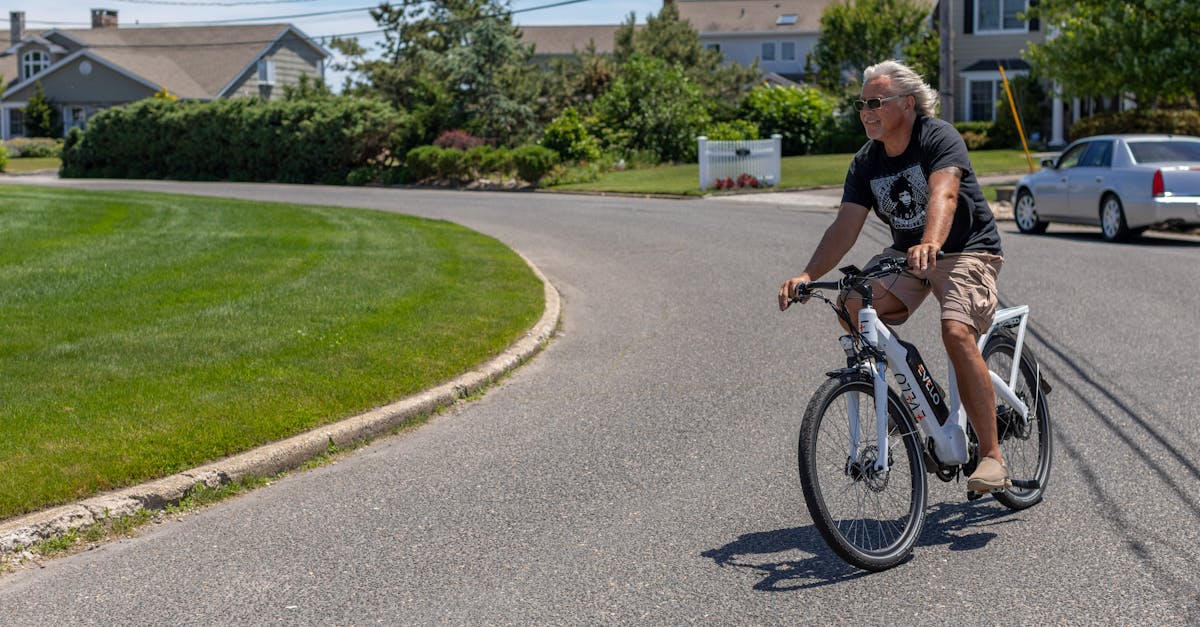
x=915, y=174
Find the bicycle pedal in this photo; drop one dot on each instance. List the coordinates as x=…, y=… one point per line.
x=973, y=495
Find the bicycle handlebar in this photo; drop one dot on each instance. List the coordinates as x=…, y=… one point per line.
x=853, y=276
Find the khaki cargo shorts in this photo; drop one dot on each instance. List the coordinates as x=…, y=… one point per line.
x=963, y=283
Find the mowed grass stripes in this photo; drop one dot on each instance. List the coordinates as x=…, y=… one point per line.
x=144, y=334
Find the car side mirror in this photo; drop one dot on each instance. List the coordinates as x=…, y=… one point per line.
x=1048, y=163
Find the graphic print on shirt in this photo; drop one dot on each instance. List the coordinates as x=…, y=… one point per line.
x=902, y=198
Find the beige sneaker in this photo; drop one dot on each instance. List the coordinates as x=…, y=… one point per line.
x=989, y=476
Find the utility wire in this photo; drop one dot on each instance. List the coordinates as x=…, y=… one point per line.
x=237, y=20
x=229, y=3
x=321, y=38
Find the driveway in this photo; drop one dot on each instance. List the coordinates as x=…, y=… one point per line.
x=642, y=468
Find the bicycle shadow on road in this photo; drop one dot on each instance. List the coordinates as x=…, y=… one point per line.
x=959, y=526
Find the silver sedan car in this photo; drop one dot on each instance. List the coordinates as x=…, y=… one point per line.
x=1122, y=183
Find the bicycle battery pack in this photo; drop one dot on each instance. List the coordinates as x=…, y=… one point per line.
x=924, y=381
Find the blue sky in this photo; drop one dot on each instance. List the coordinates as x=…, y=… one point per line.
x=46, y=14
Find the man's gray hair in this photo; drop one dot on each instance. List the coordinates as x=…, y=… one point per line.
x=906, y=81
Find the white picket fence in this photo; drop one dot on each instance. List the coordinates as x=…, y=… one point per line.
x=742, y=163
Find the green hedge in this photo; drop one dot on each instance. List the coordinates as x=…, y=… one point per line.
x=451, y=165
x=241, y=139
x=34, y=147
x=1172, y=121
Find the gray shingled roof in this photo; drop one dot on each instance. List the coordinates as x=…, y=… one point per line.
x=551, y=40
x=752, y=16
x=190, y=61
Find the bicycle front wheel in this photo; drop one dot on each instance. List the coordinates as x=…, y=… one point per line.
x=870, y=518
x=1025, y=443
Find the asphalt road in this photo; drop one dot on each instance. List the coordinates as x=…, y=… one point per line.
x=642, y=469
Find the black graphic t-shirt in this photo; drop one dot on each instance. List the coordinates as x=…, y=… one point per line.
x=897, y=189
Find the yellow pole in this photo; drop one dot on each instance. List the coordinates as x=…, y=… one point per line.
x=1012, y=103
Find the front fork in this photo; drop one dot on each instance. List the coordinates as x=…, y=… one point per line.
x=867, y=322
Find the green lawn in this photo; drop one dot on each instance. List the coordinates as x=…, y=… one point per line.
x=144, y=334
x=22, y=165
x=797, y=172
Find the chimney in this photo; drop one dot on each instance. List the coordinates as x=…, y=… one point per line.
x=104, y=18
x=16, y=20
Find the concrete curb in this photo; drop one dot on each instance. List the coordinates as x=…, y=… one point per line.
x=284, y=455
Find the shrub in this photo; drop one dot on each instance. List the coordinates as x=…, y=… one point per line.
x=485, y=161
x=422, y=162
x=1170, y=121
x=735, y=130
x=37, y=147
x=800, y=114
x=452, y=165
x=568, y=136
x=239, y=139
x=3, y=157
x=498, y=161
x=458, y=139
x=533, y=162
x=843, y=131
x=654, y=108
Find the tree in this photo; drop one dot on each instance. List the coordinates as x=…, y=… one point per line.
x=487, y=74
x=42, y=118
x=449, y=64
x=800, y=114
x=855, y=34
x=653, y=107
x=674, y=41
x=1147, y=48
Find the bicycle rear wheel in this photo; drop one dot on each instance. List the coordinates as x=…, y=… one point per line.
x=1026, y=443
x=869, y=518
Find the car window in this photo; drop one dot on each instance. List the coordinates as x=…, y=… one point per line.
x=1164, y=151
x=1099, y=154
x=1071, y=157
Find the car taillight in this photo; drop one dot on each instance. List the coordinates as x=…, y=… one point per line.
x=1158, y=188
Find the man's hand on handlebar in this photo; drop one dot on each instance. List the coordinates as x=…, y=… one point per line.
x=788, y=290
x=922, y=257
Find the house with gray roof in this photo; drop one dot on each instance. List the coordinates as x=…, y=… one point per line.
x=778, y=34
x=83, y=71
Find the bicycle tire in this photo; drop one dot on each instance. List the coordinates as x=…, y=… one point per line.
x=1027, y=446
x=842, y=497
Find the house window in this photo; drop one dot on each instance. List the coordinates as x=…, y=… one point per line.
x=16, y=123
x=768, y=51
x=787, y=51
x=266, y=72
x=787, y=19
x=998, y=16
x=33, y=62
x=716, y=47
x=983, y=101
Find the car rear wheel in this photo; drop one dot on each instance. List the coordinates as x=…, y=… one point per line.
x=1025, y=214
x=1112, y=220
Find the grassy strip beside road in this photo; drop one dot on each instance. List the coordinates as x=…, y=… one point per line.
x=144, y=334
x=24, y=165
x=797, y=172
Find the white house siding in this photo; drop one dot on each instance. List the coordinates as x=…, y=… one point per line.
x=746, y=48
x=971, y=48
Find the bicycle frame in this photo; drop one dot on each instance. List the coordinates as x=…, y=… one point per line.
x=948, y=438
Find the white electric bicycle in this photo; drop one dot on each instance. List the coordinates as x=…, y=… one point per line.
x=865, y=448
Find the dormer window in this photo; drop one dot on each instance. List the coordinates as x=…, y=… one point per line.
x=787, y=19
x=33, y=62
x=266, y=72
